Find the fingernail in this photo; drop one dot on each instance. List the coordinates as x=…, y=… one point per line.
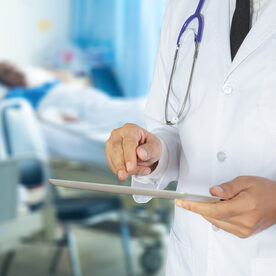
x=120, y=174
x=147, y=171
x=128, y=166
x=144, y=153
x=219, y=189
x=179, y=203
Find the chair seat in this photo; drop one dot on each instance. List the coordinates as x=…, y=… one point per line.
x=84, y=208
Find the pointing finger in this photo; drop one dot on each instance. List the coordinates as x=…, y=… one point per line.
x=118, y=156
x=129, y=150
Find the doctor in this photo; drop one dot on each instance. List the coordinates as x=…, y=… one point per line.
x=224, y=141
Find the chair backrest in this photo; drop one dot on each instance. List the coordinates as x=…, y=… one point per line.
x=20, y=129
x=21, y=136
x=8, y=187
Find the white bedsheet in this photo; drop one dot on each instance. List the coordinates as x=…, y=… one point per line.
x=99, y=114
x=73, y=145
x=93, y=107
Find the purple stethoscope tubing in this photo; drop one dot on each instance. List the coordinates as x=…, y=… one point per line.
x=198, y=37
x=196, y=15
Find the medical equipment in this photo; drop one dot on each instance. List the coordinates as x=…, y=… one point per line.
x=118, y=189
x=198, y=38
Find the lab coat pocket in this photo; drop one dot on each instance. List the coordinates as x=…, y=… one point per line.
x=180, y=257
x=263, y=267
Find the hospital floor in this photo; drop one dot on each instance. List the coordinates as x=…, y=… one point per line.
x=98, y=258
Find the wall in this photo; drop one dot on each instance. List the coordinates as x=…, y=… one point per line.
x=27, y=27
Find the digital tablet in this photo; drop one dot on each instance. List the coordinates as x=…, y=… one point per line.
x=126, y=190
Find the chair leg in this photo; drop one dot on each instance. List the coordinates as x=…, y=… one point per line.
x=73, y=252
x=57, y=256
x=7, y=263
x=126, y=245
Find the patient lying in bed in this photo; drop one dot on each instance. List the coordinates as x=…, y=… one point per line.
x=85, y=109
x=69, y=102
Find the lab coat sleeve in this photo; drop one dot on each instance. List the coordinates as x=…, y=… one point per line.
x=168, y=166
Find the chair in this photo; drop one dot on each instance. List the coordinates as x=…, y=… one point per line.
x=12, y=228
x=8, y=200
x=8, y=195
x=23, y=141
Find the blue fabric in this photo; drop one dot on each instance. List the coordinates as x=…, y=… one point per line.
x=32, y=95
x=104, y=80
x=139, y=26
x=131, y=28
x=93, y=22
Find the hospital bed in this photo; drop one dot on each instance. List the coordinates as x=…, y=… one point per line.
x=76, y=142
x=97, y=115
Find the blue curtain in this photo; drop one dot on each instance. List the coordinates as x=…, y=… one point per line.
x=93, y=22
x=131, y=28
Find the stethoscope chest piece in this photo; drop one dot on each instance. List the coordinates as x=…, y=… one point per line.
x=172, y=122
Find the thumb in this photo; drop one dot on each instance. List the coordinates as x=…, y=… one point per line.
x=230, y=189
x=146, y=152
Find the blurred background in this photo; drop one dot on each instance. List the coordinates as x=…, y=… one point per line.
x=70, y=72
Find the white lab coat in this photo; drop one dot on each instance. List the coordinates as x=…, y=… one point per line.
x=229, y=131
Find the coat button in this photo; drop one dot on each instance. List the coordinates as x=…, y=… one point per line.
x=221, y=156
x=227, y=89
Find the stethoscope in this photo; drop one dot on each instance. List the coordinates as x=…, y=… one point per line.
x=198, y=37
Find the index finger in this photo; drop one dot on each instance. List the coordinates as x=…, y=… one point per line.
x=130, y=144
x=218, y=210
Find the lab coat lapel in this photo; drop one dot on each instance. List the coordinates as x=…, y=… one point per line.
x=261, y=31
x=222, y=29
